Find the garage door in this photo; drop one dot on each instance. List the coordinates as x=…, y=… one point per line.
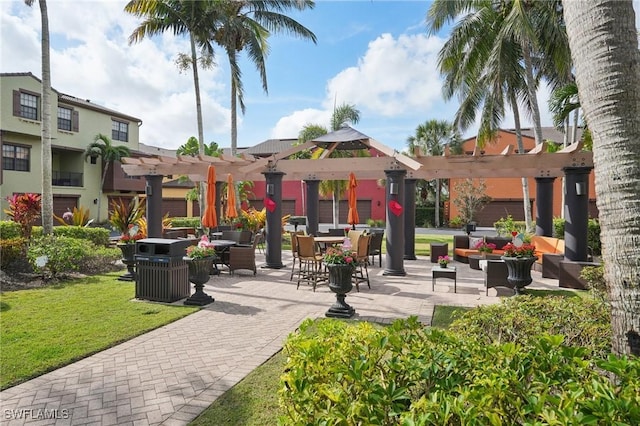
x=326, y=211
x=62, y=204
x=175, y=207
x=497, y=209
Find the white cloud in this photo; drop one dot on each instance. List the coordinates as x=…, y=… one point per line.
x=291, y=125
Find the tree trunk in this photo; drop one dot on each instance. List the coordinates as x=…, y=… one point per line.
x=196, y=82
x=604, y=48
x=437, y=210
x=47, y=188
x=576, y=118
x=526, y=200
x=234, y=118
x=531, y=89
x=336, y=209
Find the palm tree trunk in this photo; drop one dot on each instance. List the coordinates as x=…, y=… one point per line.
x=576, y=117
x=196, y=82
x=105, y=167
x=234, y=118
x=531, y=88
x=607, y=63
x=47, y=188
x=437, y=210
x=336, y=210
x=526, y=203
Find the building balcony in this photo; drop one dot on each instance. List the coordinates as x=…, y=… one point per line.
x=66, y=179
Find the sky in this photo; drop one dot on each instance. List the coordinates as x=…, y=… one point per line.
x=373, y=54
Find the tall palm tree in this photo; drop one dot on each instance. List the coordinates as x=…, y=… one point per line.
x=607, y=65
x=246, y=26
x=108, y=152
x=343, y=114
x=47, y=186
x=431, y=137
x=196, y=19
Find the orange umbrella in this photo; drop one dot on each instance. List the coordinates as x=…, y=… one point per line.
x=231, y=198
x=210, y=218
x=353, y=218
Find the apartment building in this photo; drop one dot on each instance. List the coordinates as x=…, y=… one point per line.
x=75, y=122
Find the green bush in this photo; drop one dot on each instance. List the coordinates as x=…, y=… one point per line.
x=593, y=233
x=60, y=254
x=426, y=216
x=186, y=222
x=407, y=374
x=11, y=249
x=99, y=260
x=582, y=321
x=9, y=229
x=505, y=225
x=98, y=236
x=375, y=223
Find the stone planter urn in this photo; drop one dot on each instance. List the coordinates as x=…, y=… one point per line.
x=340, y=283
x=519, y=269
x=128, y=258
x=199, y=270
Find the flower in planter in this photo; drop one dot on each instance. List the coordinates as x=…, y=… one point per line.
x=524, y=250
x=484, y=247
x=339, y=256
x=200, y=252
x=132, y=235
x=443, y=261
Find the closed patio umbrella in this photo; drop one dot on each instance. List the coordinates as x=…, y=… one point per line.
x=231, y=198
x=353, y=218
x=210, y=218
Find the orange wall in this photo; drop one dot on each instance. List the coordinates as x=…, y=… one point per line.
x=511, y=188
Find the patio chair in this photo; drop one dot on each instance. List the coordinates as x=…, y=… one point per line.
x=231, y=235
x=246, y=238
x=495, y=274
x=310, y=269
x=361, y=272
x=243, y=257
x=375, y=248
x=294, y=251
x=336, y=232
x=353, y=237
x=261, y=238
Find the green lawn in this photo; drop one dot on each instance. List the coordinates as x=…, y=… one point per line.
x=44, y=329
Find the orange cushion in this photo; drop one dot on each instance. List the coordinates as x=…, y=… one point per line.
x=467, y=252
x=544, y=244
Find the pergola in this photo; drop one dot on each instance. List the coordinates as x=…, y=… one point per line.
x=401, y=173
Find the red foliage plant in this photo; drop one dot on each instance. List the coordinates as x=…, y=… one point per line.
x=24, y=209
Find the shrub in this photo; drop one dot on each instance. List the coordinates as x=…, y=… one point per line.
x=11, y=250
x=505, y=225
x=455, y=222
x=582, y=321
x=375, y=223
x=99, y=260
x=98, y=236
x=24, y=209
x=185, y=222
x=55, y=255
x=407, y=374
x=9, y=229
x=594, y=276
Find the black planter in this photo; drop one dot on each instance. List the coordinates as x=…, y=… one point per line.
x=519, y=269
x=340, y=283
x=199, y=270
x=128, y=258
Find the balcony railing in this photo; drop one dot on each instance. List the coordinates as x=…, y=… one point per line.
x=66, y=179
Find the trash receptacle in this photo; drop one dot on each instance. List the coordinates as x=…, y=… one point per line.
x=162, y=275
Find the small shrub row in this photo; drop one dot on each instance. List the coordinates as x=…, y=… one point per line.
x=582, y=321
x=186, y=222
x=98, y=236
x=9, y=229
x=593, y=233
x=407, y=374
x=11, y=250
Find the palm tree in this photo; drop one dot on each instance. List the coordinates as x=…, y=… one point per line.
x=194, y=18
x=431, y=137
x=607, y=65
x=47, y=187
x=342, y=115
x=109, y=153
x=192, y=148
x=245, y=26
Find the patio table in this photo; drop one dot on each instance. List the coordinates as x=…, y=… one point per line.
x=448, y=272
x=221, y=247
x=325, y=241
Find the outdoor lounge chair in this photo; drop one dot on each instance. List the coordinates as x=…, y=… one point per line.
x=375, y=248
x=243, y=257
x=361, y=272
x=310, y=269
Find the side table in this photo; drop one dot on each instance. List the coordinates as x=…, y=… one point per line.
x=448, y=272
x=438, y=249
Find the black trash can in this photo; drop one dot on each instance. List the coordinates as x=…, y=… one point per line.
x=161, y=273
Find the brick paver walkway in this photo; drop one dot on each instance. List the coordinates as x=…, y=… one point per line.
x=170, y=375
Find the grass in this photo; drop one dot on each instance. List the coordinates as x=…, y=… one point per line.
x=444, y=315
x=44, y=329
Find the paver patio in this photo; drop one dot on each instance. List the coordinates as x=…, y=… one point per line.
x=170, y=375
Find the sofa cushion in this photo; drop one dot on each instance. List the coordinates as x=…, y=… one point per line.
x=474, y=241
x=544, y=244
x=468, y=252
x=500, y=242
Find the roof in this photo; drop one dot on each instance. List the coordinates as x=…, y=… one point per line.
x=156, y=150
x=69, y=99
x=270, y=147
x=346, y=137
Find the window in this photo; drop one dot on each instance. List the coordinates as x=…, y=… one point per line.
x=119, y=131
x=28, y=106
x=15, y=158
x=64, y=118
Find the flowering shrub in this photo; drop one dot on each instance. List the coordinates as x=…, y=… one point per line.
x=484, y=247
x=24, y=209
x=443, y=261
x=131, y=236
x=525, y=250
x=339, y=256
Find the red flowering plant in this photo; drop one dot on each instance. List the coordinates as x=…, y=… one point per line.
x=443, y=261
x=132, y=235
x=525, y=250
x=484, y=247
x=339, y=256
